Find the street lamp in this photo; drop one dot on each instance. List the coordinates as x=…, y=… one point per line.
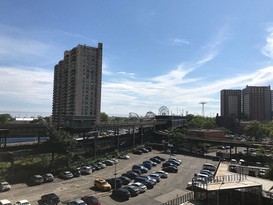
x=218, y=192
x=115, y=175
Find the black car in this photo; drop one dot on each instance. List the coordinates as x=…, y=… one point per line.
x=149, y=184
x=76, y=172
x=147, y=165
x=134, y=191
x=137, y=171
x=149, y=148
x=137, y=151
x=130, y=174
x=52, y=197
x=35, y=180
x=177, y=163
x=160, y=158
x=171, y=169
x=167, y=164
x=121, y=193
x=156, y=160
x=125, y=180
x=45, y=202
x=140, y=167
x=143, y=150
x=150, y=162
x=114, y=181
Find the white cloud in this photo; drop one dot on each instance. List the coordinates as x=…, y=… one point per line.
x=267, y=50
x=26, y=85
x=178, y=41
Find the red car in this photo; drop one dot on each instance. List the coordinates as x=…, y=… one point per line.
x=91, y=200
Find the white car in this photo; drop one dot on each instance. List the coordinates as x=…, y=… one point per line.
x=124, y=156
x=5, y=186
x=86, y=170
x=141, y=186
x=22, y=202
x=5, y=202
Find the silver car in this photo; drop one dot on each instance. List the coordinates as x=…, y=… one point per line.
x=5, y=186
x=141, y=186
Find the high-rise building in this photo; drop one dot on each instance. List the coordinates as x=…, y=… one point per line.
x=257, y=103
x=231, y=103
x=77, y=88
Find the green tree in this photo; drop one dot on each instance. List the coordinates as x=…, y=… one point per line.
x=202, y=122
x=256, y=130
x=104, y=117
x=177, y=137
x=60, y=142
x=5, y=119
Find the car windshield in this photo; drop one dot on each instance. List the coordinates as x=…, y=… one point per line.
x=5, y=183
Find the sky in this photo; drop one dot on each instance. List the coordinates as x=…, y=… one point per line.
x=155, y=52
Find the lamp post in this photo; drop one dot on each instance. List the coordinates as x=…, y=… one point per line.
x=115, y=176
x=218, y=192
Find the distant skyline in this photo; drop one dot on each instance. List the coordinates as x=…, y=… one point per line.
x=155, y=53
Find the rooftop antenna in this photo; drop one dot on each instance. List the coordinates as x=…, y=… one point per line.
x=203, y=107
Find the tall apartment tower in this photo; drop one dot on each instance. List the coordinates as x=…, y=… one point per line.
x=77, y=88
x=257, y=103
x=231, y=103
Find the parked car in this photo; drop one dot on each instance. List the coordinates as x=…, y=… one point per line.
x=209, y=167
x=101, y=165
x=91, y=200
x=171, y=169
x=76, y=172
x=174, y=158
x=102, y=184
x=167, y=164
x=66, y=175
x=156, y=160
x=148, y=183
x=140, y=167
x=121, y=193
x=22, y=202
x=137, y=151
x=148, y=178
x=76, y=202
x=5, y=186
x=114, y=160
x=125, y=180
x=143, y=150
x=114, y=181
x=147, y=165
x=162, y=159
x=141, y=186
x=108, y=162
x=176, y=163
x=149, y=148
x=134, y=191
x=124, y=156
x=35, y=180
x=85, y=170
x=5, y=202
x=137, y=171
x=48, y=177
x=150, y=162
x=52, y=197
x=155, y=176
x=130, y=174
x=162, y=174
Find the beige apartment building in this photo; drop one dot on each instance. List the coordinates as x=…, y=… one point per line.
x=77, y=88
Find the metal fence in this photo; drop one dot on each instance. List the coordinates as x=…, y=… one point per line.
x=180, y=199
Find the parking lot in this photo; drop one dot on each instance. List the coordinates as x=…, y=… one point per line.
x=175, y=185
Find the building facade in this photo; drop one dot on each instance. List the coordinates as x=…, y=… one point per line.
x=251, y=103
x=77, y=88
x=257, y=103
x=231, y=103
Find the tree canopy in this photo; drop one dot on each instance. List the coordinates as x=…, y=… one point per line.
x=257, y=131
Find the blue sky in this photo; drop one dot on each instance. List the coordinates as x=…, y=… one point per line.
x=156, y=53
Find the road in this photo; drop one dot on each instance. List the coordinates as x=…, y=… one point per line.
x=167, y=189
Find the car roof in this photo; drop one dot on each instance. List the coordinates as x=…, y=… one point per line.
x=5, y=201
